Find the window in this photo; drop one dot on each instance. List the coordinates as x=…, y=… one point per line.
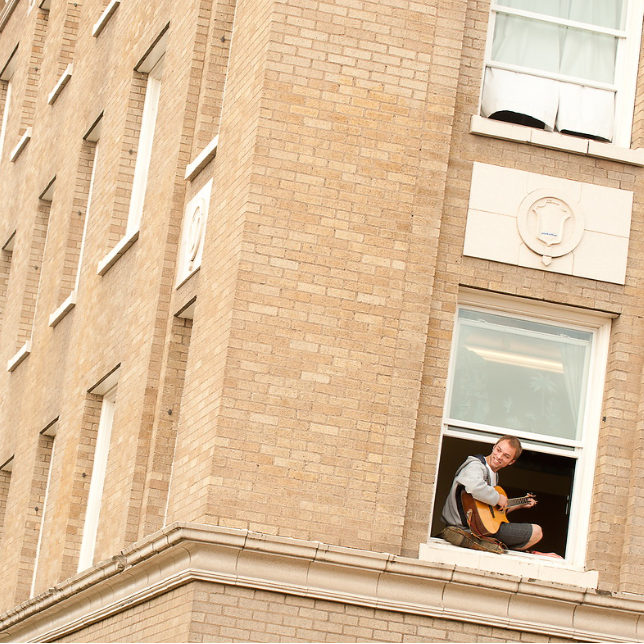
x=33, y=276
x=6, y=255
x=85, y=176
x=144, y=154
x=534, y=371
x=142, y=118
x=41, y=488
x=107, y=388
x=5, y=482
x=5, y=97
x=565, y=65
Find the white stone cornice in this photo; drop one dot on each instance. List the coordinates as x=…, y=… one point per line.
x=185, y=553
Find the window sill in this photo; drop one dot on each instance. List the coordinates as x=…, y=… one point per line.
x=62, y=81
x=105, y=16
x=182, y=280
x=19, y=357
x=535, y=567
x=555, y=141
x=22, y=144
x=63, y=310
x=112, y=257
x=202, y=159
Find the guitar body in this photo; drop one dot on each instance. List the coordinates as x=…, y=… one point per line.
x=483, y=519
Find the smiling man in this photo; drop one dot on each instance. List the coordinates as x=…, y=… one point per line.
x=478, y=476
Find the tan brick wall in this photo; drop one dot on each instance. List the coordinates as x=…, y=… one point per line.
x=310, y=401
x=162, y=619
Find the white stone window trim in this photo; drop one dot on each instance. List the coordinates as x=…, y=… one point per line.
x=22, y=144
x=151, y=64
x=60, y=85
x=46, y=195
x=113, y=256
x=202, y=159
x=597, y=322
x=626, y=68
x=50, y=430
x=20, y=355
x=555, y=141
x=93, y=134
x=105, y=17
x=146, y=141
x=63, y=309
x=107, y=388
x=6, y=75
x=5, y=117
x=542, y=568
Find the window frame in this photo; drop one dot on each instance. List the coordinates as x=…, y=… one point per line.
x=626, y=64
x=108, y=389
x=585, y=451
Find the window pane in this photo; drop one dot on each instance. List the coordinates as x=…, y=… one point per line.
x=555, y=49
x=520, y=375
x=599, y=13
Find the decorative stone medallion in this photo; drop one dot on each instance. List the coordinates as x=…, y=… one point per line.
x=193, y=232
x=550, y=224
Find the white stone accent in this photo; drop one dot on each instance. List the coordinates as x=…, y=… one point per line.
x=498, y=199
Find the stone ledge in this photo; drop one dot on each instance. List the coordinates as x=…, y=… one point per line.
x=112, y=257
x=22, y=144
x=22, y=353
x=185, y=553
x=555, y=141
x=63, y=309
x=105, y=16
x=202, y=159
x=60, y=85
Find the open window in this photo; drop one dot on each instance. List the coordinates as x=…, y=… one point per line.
x=564, y=65
x=535, y=371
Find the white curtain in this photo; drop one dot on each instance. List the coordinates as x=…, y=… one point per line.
x=557, y=49
x=573, y=358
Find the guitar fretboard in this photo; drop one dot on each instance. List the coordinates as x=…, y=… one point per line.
x=520, y=500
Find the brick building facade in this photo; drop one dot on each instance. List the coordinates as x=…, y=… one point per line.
x=270, y=269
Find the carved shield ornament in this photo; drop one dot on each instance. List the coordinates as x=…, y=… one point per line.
x=551, y=223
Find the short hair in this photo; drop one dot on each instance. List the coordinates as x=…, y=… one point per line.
x=515, y=443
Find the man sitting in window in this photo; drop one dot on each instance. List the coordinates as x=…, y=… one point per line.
x=478, y=478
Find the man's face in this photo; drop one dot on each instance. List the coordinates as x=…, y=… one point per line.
x=503, y=454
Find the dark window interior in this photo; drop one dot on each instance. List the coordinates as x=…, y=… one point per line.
x=549, y=477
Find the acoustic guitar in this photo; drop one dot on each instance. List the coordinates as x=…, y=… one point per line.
x=485, y=519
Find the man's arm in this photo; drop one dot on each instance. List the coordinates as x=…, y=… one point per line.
x=473, y=478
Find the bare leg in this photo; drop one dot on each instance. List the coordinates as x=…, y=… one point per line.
x=537, y=535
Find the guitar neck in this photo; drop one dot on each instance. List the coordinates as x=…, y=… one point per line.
x=521, y=500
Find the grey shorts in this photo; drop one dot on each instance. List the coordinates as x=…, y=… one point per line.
x=514, y=535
